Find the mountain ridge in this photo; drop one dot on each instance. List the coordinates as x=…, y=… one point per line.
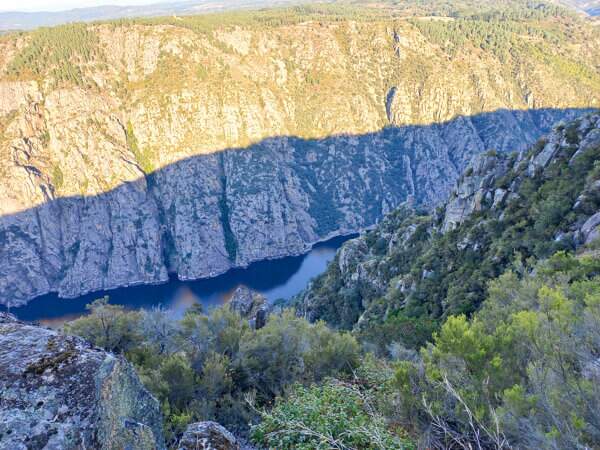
x=23, y=20
x=49, y=236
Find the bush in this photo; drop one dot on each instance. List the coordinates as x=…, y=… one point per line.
x=289, y=349
x=202, y=366
x=108, y=326
x=335, y=415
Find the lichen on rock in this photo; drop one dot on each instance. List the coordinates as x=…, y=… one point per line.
x=60, y=392
x=251, y=305
x=207, y=436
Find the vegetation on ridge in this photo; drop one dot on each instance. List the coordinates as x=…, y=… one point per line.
x=61, y=51
x=72, y=53
x=429, y=275
x=522, y=373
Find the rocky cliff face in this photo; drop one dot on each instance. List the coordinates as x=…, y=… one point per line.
x=129, y=151
x=415, y=268
x=58, y=392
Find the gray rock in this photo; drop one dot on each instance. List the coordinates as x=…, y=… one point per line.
x=59, y=392
x=499, y=197
x=250, y=305
x=592, y=139
x=474, y=189
x=591, y=229
x=207, y=436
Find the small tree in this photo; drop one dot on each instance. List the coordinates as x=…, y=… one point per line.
x=107, y=326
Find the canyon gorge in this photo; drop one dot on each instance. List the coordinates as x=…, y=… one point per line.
x=134, y=149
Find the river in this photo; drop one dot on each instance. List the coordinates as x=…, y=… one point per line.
x=276, y=279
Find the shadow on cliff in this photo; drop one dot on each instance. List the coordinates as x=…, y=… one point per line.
x=227, y=209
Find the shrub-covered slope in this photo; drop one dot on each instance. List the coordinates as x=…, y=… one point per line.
x=396, y=282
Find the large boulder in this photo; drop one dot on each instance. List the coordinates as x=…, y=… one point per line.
x=207, y=436
x=250, y=305
x=60, y=392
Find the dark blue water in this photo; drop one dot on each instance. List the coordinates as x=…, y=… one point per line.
x=276, y=279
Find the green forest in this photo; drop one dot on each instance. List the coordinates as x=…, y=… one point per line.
x=71, y=54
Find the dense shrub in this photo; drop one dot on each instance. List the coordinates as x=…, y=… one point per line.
x=522, y=373
x=335, y=415
x=202, y=366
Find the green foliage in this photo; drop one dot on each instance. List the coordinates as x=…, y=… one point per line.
x=334, y=415
x=230, y=240
x=203, y=366
x=57, y=177
x=522, y=371
x=45, y=138
x=496, y=37
x=411, y=331
x=108, y=326
x=484, y=9
x=142, y=157
x=265, y=18
x=289, y=349
x=60, y=52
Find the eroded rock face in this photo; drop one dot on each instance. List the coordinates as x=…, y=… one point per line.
x=202, y=216
x=250, y=305
x=59, y=392
x=207, y=436
x=591, y=229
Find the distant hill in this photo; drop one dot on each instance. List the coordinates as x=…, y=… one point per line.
x=30, y=20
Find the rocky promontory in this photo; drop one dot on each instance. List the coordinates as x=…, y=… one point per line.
x=504, y=209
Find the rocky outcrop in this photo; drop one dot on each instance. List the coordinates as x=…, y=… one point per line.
x=207, y=436
x=192, y=153
x=59, y=392
x=250, y=305
x=590, y=230
x=475, y=189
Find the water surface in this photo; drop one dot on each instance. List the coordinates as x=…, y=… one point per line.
x=276, y=279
